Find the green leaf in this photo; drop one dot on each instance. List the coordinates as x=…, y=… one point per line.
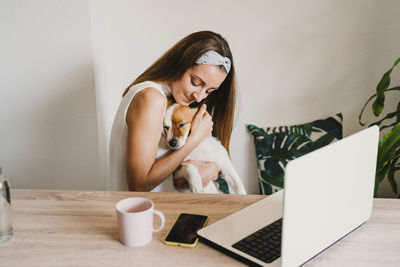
x=379, y=102
x=388, y=146
x=388, y=117
x=254, y=130
x=265, y=188
x=331, y=125
x=222, y=185
x=273, y=180
x=391, y=173
x=378, y=105
x=398, y=115
x=383, y=85
x=366, y=103
x=389, y=125
x=396, y=62
x=379, y=177
x=362, y=110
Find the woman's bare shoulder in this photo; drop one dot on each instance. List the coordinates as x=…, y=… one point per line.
x=147, y=100
x=150, y=95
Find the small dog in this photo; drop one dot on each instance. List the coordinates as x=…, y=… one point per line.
x=177, y=124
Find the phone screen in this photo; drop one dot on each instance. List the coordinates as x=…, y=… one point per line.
x=185, y=229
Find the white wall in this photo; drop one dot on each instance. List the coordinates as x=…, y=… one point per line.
x=295, y=62
x=48, y=136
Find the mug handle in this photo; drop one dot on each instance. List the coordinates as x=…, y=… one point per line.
x=161, y=215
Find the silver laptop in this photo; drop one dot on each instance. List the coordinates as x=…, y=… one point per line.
x=328, y=193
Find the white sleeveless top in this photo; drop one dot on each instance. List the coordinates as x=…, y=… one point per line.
x=117, y=179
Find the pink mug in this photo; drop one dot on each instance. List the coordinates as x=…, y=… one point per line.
x=135, y=221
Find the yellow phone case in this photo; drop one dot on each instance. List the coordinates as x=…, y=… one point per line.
x=183, y=244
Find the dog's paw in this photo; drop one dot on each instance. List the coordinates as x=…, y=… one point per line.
x=195, y=186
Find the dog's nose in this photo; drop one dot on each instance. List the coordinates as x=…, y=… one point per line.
x=173, y=142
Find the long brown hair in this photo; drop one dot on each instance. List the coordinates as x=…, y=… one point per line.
x=183, y=55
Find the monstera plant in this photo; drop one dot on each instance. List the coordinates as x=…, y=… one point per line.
x=389, y=145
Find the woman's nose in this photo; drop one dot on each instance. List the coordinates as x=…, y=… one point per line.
x=199, y=95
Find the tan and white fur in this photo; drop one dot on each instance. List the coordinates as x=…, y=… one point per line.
x=177, y=124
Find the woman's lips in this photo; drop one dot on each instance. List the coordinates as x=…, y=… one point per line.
x=188, y=100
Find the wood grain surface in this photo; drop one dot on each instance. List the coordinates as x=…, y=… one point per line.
x=79, y=228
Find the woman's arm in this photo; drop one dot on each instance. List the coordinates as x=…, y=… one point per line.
x=208, y=171
x=145, y=120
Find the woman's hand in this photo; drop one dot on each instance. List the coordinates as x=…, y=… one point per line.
x=208, y=171
x=202, y=126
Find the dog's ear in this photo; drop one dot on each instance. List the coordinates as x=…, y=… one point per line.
x=195, y=104
x=194, y=111
x=170, y=101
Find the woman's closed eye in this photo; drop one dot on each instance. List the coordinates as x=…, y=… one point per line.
x=194, y=83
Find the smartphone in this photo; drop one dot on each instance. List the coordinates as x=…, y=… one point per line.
x=184, y=231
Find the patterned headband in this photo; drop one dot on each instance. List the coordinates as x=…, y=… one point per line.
x=213, y=58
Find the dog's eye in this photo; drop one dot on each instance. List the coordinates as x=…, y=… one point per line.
x=181, y=125
x=166, y=127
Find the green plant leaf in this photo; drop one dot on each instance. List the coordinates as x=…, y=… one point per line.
x=383, y=85
x=392, y=182
x=362, y=110
x=388, y=117
x=391, y=173
x=389, y=125
x=397, y=61
x=369, y=100
x=388, y=146
x=398, y=115
x=378, y=104
x=379, y=177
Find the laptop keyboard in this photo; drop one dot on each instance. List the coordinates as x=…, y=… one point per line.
x=265, y=244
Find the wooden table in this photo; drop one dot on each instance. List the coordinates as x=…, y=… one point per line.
x=79, y=228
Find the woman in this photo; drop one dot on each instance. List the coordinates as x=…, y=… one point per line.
x=199, y=68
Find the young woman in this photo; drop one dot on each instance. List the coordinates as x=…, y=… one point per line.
x=199, y=68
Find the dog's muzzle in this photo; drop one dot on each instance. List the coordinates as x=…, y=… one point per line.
x=173, y=143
